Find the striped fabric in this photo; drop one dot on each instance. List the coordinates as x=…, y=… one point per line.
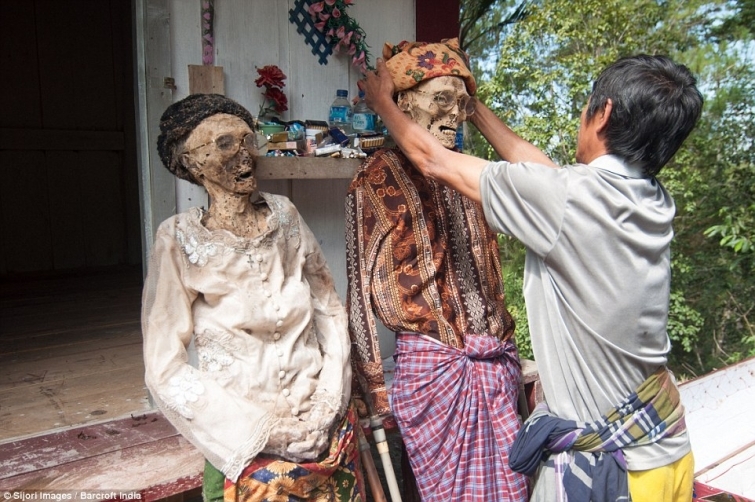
x=455, y=409
x=589, y=463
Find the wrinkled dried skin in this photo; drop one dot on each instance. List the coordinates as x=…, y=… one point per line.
x=419, y=103
x=228, y=177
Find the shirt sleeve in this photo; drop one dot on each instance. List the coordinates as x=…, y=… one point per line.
x=526, y=201
x=330, y=324
x=362, y=324
x=230, y=430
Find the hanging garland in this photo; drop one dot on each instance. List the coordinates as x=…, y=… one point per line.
x=334, y=30
x=341, y=30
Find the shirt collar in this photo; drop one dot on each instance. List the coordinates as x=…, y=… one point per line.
x=615, y=165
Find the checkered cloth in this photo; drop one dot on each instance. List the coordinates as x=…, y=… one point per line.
x=456, y=409
x=587, y=458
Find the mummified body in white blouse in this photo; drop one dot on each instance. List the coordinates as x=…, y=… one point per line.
x=268, y=326
x=247, y=283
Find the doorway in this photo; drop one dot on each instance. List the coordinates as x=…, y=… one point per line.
x=71, y=252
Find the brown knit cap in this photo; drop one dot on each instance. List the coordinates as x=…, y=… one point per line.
x=413, y=62
x=182, y=117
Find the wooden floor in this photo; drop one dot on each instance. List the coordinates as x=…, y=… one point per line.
x=70, y=351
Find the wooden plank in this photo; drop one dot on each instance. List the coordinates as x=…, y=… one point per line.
x=27, y=411
x=17, y=313
x=32, y=372
x=265, y=44
x=152, y=22
x=122, y=340
x=102, y=209
x=77, y=443
x=719, y=407
x=57, y=139
x=321, y=204
x=67, y=225
x=66, y=311
x=155, y=470
x=19, y=87
x=25, y=209
x=206, y=79
x=47, y=323
x=76, y=65
x=733, y=475
x=102, y=280
x=273, y=168
x=70, y=288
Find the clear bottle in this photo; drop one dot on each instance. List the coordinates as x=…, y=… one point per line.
x=340, y=112
x=363, y=119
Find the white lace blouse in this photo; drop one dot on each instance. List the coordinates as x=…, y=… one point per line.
x=269, y=330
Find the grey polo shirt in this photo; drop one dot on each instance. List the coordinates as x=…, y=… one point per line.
x=596, y=281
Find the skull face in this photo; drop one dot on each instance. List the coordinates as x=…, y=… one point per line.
x=218, y=154
x=437, y=104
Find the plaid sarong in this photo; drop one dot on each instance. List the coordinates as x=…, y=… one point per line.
x=336, y=478
x=456, y=409
x=590, y=464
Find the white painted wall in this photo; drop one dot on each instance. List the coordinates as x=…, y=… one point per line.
x=255, y=33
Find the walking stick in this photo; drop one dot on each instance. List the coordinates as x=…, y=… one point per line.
x=376, y=488
x=381, y=443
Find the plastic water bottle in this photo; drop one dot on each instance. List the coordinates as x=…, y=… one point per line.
x=340, y=112
x=459, y=140
x=363, y=119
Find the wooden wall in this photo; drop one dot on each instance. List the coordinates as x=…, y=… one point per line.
x=251, y=34
x=68, y=189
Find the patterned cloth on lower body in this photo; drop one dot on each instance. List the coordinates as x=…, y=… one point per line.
x=338, y=477
x=587, y=458
x=456, y=409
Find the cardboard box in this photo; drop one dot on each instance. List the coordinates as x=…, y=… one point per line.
x=299, y=145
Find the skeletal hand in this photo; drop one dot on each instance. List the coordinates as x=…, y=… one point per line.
x=310, y=448
x=320, y=418
x=288, y=431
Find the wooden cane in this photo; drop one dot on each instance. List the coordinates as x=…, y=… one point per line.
x=381, y=443
x=370, y=471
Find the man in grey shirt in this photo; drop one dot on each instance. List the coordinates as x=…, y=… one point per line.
x=597, y=273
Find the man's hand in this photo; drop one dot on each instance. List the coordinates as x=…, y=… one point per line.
x=378, y=86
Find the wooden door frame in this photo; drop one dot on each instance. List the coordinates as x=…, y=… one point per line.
x=153, y=93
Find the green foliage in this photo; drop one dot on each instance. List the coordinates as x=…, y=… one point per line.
x=537, y=76
x=512, y=267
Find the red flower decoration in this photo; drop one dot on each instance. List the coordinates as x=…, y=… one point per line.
x=270, y=76
x=273, y=99
x=279, y=100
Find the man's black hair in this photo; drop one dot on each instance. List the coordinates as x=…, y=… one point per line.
x=655, y=106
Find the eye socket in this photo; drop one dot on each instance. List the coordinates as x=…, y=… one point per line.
x=445, y=99
x=226, y=142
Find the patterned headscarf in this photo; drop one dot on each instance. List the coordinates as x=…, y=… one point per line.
x=413, y=62
x=182, y=117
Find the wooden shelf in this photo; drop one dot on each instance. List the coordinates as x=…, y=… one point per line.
x=279, y=168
